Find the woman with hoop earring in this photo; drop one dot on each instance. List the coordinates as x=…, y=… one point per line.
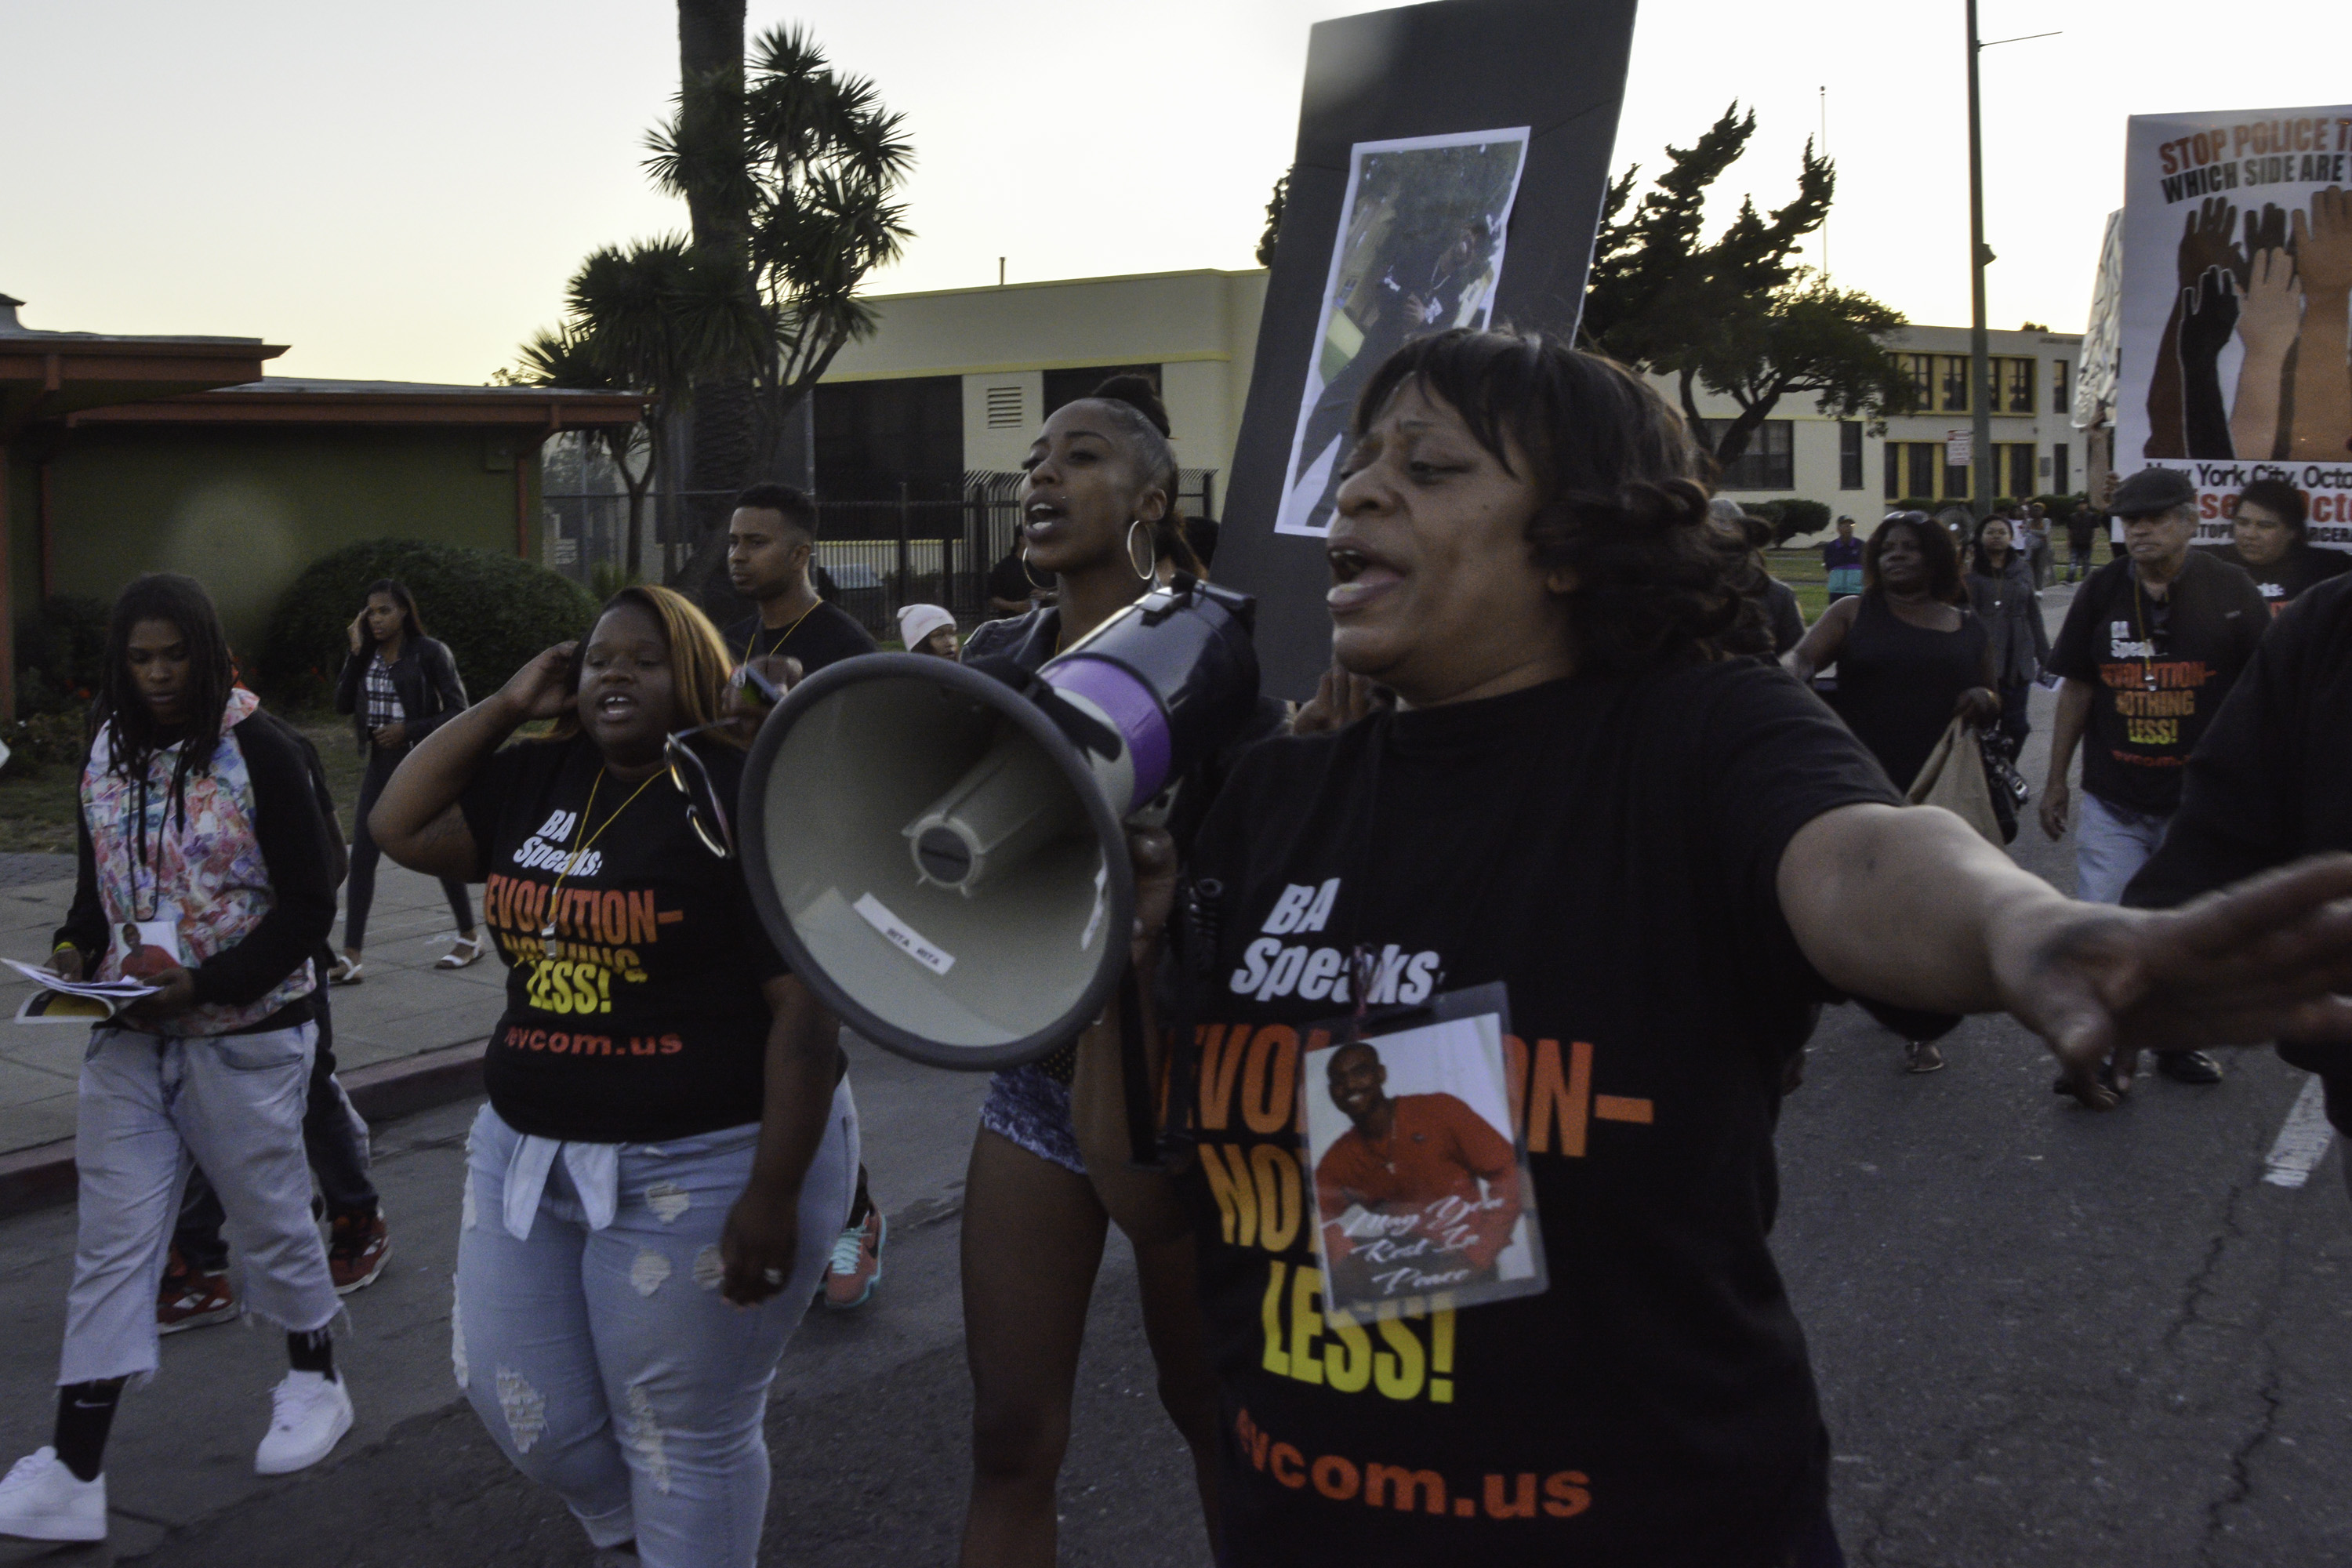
x=1098, y=519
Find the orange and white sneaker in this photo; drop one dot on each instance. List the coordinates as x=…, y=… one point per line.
x=191, y=1298
x=357, y=1249
x=857, y=1266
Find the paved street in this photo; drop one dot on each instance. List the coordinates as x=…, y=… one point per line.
x=2046, y=1339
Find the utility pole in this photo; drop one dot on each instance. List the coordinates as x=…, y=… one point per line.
x=1981, y=463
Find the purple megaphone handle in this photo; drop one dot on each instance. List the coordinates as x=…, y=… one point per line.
x=1131, y=707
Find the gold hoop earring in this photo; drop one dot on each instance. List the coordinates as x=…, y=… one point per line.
x=1145, y=571
x=1045, y=587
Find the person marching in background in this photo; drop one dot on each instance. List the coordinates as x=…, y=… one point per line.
x=770, y=550
x=1842, y=561
x=1669, y=858
x=1098, y=514
x=197, y=1289
x=199, y=829
x=2002, y=593
x=2149, y=651
x=670, y=1138
x=399, y=686
x=927, y=628
x=2268, y=540
x=771, y=559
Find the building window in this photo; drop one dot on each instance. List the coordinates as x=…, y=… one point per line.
x=2018, y=463
x=1004, y=408
x=1069, y=386
x=1770, y=462
x=1922, y=371
x=1925, y=458
x=2016, y=380
x=2059, y=403
x=1953, y=397
x=1849, y=454
x=1894, y=450
x=874, y=435
x=2059, y=473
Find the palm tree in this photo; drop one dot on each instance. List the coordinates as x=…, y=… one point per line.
x=648, y=319
x=789, y=169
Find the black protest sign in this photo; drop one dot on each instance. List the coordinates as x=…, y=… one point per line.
x=1451, y=166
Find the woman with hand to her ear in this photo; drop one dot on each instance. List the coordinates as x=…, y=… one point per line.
x=670, y=1144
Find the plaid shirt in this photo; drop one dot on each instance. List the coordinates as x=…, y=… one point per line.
x=383, y=696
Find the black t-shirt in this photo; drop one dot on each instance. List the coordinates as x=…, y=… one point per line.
x=1609, y=848
x=2286, y=578
x=2158, y=670
x=1788, y=620
x=1009, y=580
x=826, y=634
x=646, y=1019
x=2271, y=782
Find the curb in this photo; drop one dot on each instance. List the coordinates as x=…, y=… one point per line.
x=43, y=1176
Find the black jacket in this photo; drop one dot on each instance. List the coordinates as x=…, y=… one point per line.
x=424, y=676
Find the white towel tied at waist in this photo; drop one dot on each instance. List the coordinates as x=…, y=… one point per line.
x=594, y=1170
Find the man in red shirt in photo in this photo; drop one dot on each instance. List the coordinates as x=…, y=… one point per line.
x=1412, y=1164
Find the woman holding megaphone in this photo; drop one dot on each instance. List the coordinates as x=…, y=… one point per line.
x=667, y=1155
x=1666, y=856
x=1098, y=520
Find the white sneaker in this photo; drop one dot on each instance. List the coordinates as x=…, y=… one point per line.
x=308, y=1413
x=42, y=1501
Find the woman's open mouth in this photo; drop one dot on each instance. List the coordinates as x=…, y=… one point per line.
x=1358, y=578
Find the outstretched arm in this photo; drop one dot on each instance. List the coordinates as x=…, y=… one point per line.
x=1818, y=648
x=1910, y=905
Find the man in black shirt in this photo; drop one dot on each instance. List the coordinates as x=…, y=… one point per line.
x=771, y=546
x=2271, y=782
x=770, y=552
x=2269, y=538
x=2151, y=647
x=1011, y=591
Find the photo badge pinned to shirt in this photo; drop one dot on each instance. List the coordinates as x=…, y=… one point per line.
x=149, y=947
x=1421, y=1191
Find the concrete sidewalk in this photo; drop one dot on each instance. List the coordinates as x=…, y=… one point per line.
x=403, y=1012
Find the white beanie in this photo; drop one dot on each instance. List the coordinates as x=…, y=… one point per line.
x=916, y=622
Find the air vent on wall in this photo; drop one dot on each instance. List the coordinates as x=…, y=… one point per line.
x=1004, y=407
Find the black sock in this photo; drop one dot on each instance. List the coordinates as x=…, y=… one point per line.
x=861, y=1204
x=313, y=1351
x=85, y=1415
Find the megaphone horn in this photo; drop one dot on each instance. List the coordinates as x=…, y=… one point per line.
x=938, y=850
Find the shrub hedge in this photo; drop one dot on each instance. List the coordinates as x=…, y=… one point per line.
x=60, y=650
x=494, y=611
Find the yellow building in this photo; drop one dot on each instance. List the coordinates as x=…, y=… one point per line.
x=956, y=383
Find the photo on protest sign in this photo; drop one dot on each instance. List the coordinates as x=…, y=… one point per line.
x=1420, y=1190
x=1419, y=249
x=2236, y=285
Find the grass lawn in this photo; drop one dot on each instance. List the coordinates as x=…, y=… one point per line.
x=1803, y=570
x=37, y=815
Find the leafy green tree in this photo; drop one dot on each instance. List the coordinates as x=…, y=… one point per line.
x=1739, y=315
x=792, y=170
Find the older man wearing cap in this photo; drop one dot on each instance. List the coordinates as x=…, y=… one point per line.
x=2152, y=643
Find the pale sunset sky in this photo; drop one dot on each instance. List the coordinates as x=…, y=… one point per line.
x=401, y=191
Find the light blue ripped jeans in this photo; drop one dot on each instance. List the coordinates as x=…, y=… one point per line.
x=595, y=1345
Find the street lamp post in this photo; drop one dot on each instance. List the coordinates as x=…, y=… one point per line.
x=1980, y=463
x=1979, y=351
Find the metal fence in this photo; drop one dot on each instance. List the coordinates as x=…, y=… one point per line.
x=880, y=555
